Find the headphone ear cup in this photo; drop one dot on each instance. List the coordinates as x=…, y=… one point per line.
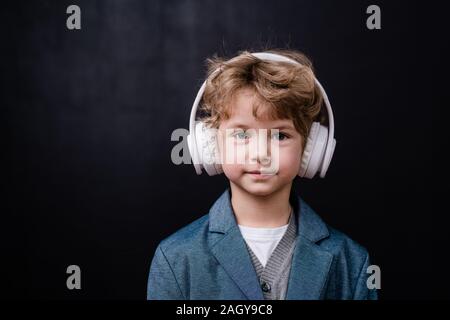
x=208, y=153
x=314, y=151
x=310, y=140
x=327, y=160
x=194, y=154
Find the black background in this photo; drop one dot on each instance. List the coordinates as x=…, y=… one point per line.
x=87, y=117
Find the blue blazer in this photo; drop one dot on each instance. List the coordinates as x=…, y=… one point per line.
x=208, y=259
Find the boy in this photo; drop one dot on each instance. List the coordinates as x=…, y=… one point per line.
x=260, y=240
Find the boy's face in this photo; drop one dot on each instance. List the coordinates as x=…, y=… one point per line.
x=275, y=153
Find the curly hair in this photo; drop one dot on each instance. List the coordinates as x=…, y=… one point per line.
x=289, y=89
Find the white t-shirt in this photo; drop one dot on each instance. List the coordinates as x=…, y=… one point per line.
x=262, y=241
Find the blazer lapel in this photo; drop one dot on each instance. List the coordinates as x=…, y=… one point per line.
x=227, y=245
x=309, y=271
x=310, y=263
x=233, y=255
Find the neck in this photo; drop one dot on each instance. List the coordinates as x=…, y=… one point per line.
x=269, y=211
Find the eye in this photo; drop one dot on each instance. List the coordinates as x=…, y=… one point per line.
x=240, y=135
x=280, y=136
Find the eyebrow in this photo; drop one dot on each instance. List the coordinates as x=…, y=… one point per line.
x=244, y=126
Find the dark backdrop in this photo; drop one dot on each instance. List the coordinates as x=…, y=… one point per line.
x=87, y=117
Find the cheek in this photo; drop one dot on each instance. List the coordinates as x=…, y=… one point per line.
x=231, y=170
x=289, y=161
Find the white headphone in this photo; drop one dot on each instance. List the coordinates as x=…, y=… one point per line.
x=317, y=153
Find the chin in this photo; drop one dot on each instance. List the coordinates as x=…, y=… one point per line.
x=259, y=189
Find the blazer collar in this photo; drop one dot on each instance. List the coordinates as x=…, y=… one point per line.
x=310, y=263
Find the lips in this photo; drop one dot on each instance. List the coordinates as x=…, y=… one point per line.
x=260, y=172
x=259, y=176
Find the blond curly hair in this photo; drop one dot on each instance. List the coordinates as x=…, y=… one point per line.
x=289, y=89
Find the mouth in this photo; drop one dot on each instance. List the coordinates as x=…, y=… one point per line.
x=260, y=174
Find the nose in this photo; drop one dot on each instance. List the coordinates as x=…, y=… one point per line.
x=260, y=151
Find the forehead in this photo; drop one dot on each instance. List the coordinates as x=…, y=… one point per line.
x=241, y=112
